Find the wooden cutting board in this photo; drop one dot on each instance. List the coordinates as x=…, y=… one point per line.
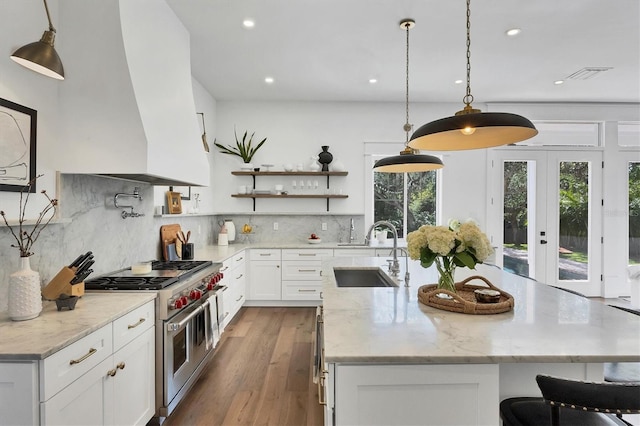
x=168, y=235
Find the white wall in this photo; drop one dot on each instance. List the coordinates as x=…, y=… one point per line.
x=28, y=88
x=297, y=130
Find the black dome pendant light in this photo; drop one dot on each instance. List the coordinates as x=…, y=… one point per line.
x=470, y=128
x=409, y=160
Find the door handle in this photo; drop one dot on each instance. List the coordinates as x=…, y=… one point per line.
x=543, y=241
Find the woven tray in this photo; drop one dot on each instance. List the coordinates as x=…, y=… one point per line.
x=464, y=300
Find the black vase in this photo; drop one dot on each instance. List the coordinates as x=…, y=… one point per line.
x=324, y=158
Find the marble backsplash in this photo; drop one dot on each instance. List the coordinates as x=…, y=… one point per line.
x=90, y=221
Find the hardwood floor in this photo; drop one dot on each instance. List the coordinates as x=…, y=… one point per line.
x=259, y=375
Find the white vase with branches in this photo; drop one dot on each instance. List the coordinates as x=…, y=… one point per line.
x=25, y=292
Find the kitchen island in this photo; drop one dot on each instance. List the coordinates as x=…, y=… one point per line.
x=393, y=360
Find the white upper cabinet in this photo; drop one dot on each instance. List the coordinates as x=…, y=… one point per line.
x=127, y=106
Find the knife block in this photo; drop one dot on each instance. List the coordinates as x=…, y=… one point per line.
x=60, y=284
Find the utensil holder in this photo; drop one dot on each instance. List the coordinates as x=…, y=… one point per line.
x=187, y=251
x=60, y=284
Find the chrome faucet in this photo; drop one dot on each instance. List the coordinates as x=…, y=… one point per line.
x=395, y=267
x=352, y=231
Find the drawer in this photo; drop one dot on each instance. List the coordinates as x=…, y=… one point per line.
x=238, y=259
x=301, y=291
x=238, y=273
x=308, y=271
x=306, y=254
x=129, y=326
x=233, y=261
x=68, y=364
x=264, y=254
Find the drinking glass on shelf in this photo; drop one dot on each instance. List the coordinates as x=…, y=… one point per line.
x=293, y=185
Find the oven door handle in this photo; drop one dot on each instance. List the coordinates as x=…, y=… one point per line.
x=173, y=326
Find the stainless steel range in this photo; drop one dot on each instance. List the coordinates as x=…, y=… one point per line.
x=186, y=320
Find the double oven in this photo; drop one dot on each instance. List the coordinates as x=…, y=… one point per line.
x=188, y=303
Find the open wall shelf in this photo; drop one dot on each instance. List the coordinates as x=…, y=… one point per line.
x=281, y=173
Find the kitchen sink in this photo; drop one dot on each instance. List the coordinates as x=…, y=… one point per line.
x=362, y=277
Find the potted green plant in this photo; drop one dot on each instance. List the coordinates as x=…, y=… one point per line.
x=243, y=149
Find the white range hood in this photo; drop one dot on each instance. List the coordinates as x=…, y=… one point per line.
x=127, y=107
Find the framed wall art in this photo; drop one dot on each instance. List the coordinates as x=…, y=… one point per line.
x=174, y=202
x=18, y=126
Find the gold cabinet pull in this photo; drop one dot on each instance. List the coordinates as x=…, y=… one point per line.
x=82, y=358
x=239, y=298
x=239, y=276
x=140, y=321
x=302, y=290
x=112, y=373
x=121, y=365
x=307, y=270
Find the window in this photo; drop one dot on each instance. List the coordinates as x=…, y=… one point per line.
x=407, y=200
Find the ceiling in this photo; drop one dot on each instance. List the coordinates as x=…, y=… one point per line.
x=327, y=50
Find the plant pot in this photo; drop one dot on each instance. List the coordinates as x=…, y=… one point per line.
x=247, y=166
x=25, y=296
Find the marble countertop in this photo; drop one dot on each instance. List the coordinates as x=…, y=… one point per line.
x=53, y=330
x=389, y=325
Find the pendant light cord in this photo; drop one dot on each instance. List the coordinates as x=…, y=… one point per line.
x=468, y=98
x=46, y=8
x=407, y=126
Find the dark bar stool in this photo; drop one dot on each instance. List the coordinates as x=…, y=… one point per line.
x=571, y=402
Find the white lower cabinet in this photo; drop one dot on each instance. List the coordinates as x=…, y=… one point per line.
x=19, y=393
x=104, y=378
x=235, y=279
x=462, y=394
x=118, y=391
x=265, y=277
x=301, y=268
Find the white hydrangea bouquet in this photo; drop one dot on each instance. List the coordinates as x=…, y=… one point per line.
x=458, y=244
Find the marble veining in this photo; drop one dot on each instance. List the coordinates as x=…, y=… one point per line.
x=53, y=330
x=389, y=325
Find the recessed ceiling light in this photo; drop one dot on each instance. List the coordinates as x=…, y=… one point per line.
x=268, y=80
x=373, y=80
x=558, y=82
x=458, y=82
x=248, y=23
x=513, y=32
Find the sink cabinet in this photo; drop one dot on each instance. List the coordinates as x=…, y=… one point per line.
x=308, y=174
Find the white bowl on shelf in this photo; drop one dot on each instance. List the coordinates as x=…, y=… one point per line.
x=314, y=240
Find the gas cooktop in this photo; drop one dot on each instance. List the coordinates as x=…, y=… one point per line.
x=163, y=274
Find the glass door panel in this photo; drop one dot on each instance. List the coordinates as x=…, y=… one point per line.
x=634, y=213
x=549, y=207
x=515, y=254
x=573, y=231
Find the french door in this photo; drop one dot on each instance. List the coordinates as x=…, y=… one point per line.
x=546, y=216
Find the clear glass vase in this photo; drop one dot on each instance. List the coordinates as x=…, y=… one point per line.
x=446, y=274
